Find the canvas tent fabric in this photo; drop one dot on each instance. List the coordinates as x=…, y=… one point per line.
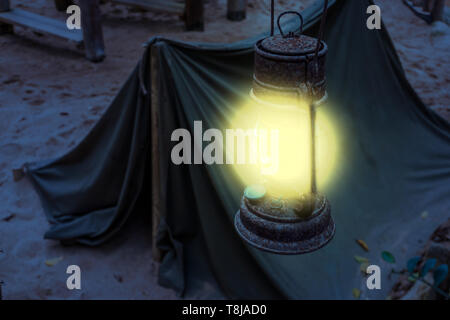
x=394, y=164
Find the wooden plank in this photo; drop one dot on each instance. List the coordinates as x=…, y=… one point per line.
x=167, y=6
x=44, y=24
x=32, y=16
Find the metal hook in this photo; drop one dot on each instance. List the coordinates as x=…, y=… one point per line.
x=290, y=34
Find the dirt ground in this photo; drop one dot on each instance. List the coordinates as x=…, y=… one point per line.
x=50, y=97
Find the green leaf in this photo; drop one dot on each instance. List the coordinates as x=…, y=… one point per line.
x=360, y=259
x=356, y=293
x=440, y=274
x=413, y=277
x=363, y=267
x=412, y=264
x=429, y=264
x=388, y=257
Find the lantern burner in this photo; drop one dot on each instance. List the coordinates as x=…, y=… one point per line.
x=281, y=230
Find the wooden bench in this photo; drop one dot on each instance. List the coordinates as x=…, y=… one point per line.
x=91, y=34
x=191, y=10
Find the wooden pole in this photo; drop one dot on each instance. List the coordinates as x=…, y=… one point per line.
x=194, y=15
x=4, y=27
x=236, y=10
x=4, y=5
x=92, y=30
x=62, y=5
x=427, y=5
x=156, y=183
x=437, y=14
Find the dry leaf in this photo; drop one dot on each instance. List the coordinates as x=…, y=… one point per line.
x=8, y=218
x=356, y=293
x=363, y=267
x=363, y=244
x=360, y=259
x=118, y=277
x=54, y=261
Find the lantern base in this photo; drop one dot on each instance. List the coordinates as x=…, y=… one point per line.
x=285, y=235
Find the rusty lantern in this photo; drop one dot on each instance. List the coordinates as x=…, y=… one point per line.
x=290, y=66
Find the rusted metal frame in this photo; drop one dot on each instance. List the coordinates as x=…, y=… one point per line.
x=312, y=115
x=312, y=105
x=272, y=18
x=322, y=28
x=313, y=87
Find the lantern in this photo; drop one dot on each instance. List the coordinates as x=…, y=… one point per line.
x=289, y=83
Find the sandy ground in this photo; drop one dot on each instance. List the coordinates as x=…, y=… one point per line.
x=50, y=97
x=424, y=53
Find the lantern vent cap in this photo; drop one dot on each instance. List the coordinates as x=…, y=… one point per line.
x=289, y=46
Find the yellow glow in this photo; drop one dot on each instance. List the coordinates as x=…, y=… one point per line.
x=292, y=122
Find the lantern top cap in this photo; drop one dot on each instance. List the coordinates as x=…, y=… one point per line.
x=289, y=46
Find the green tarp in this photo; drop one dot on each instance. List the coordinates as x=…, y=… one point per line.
x=395, y=163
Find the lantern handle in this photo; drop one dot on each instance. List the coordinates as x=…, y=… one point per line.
x=290, y=34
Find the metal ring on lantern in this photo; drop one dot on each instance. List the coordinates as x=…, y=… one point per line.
x=290, y=34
